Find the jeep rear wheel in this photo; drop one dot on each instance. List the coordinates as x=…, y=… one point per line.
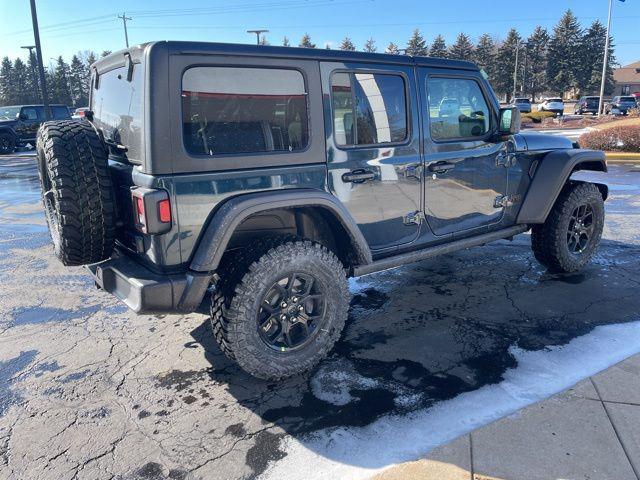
x=280, y=307
x=77, y=192
x=7, y=143
x=572, y=232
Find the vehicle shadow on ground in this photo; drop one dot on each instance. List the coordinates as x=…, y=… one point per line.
x=431, y=331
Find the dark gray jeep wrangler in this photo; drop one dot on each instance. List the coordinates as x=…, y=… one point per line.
x=258, y=179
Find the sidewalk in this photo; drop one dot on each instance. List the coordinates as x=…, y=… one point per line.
x=591, y=431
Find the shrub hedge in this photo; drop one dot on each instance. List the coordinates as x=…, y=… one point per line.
x=616, y=139
x=536, y=117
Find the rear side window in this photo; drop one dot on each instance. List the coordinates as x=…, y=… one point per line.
x=60, y=113
x=233, y=110
x=457, y=108
x=30, y=113
x=368, y=108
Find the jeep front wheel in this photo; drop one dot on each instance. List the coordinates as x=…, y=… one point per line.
x=280, y=307
x=571, y=234
x=7, y=143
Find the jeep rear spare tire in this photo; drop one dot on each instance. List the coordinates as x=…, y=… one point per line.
x=77, y=192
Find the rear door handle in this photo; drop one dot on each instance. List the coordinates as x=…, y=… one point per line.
x=358, y=176
x=441, y=167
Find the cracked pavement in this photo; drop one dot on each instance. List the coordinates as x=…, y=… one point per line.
x=89, y=390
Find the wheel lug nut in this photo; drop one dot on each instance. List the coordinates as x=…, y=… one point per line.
x=283, y=317
x=294, y=299
x=301, y=308
x=283, y=304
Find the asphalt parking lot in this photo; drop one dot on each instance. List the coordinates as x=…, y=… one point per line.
x=89, y=390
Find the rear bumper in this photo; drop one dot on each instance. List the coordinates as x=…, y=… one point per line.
x=146, y=292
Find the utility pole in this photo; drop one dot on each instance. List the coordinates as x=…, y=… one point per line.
x=43, y=82
x=33, y=69
x=124, y=19
x=604, y=62
x=515, y=70
x=257, y=32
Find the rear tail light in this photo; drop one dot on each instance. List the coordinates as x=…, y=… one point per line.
x=152, y=210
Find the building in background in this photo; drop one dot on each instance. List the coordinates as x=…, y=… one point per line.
x=627, y=79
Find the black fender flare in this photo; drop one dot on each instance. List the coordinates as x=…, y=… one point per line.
x=552, y=173
x=224, y=221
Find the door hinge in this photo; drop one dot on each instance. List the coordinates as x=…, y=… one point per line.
x=413, y=218
x=504, y=201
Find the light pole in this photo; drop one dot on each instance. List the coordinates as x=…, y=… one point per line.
x=43, y=82
x=604, y=61
x=257, y=32
x=515, y=70
x=33, y=69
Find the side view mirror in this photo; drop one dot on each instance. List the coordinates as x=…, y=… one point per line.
x=509, y=121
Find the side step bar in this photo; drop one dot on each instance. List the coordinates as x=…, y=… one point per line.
x=416, y=256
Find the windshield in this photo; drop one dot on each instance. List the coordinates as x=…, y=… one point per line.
x=522, y=100
x=9, y=113
x=555, y=100
x=627, y=99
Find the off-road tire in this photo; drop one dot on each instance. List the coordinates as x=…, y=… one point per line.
x=549, y=240
x=245, y=278
x=77, y=191
x=7, y=143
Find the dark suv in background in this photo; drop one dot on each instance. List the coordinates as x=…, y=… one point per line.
x=587, y=105
x=19, y=124
x=621, y=105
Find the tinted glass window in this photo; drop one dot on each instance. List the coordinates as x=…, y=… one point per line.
x=117, y=107
x=368, y=108
x=59, y=113
x=30, y=112
x=457, y=108
x=627, y=99
x=242, y=110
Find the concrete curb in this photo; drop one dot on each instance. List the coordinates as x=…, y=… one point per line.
x=622, y=157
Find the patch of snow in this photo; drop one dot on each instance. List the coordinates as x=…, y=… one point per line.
x=357, y=453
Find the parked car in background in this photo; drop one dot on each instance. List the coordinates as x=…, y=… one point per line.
x=19, y=124
x=620, y=105
x=78, y=113
x=587, y=105
x=636, y=95
x=523, y=104
x=555, y=105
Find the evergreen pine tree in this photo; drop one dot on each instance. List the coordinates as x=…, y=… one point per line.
x=370, y=46
x=285, y=42
x=348, y=45
x=263, y=40
x=392, y=49
x=591, y=58
x=19, y=81
x=105, y=53
x=438, y=47
x=505, y=64
x=416, y=46
x=34, y=83
x=485, y=55
x=77, y=82
x=563, y=59
x=463, y=48
x=60, y=90
x=306, y=41
x=7, y=94
x=536, y=62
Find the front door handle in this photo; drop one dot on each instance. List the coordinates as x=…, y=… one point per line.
x=358, y=176
x=441, y=167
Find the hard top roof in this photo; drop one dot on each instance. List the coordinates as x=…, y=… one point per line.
x=208, y=48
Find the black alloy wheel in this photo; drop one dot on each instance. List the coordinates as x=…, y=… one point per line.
x=580, y=229
x=292, y=312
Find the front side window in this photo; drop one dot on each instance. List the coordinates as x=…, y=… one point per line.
x=457, y=109
x=368, y=108
x=227, y=110
x=30, y=113
x=59, y=113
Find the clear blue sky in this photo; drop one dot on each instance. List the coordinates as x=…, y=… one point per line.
x=70, y=26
